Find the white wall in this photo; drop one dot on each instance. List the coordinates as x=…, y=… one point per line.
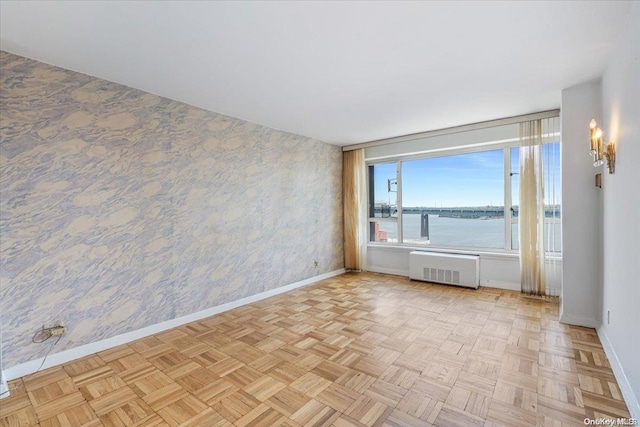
x=580, y=208
x=621, y=211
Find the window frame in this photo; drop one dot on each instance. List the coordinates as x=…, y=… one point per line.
x=509, y=220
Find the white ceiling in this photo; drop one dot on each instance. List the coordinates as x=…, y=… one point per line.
x=341, y=72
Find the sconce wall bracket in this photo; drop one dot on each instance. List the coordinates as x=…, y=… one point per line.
x=610, y=155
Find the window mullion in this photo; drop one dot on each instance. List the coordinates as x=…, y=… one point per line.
x=507, y=199
x=399, y=197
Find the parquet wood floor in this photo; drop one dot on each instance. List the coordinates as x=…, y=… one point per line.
x=355, y=350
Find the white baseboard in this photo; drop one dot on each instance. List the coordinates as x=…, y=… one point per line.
x=554, y=292
x=4, y=387
x=389, y=271
x=629, y=396
x=87, y=349
x=575, y=320
x=500, y=285
x=485, y=283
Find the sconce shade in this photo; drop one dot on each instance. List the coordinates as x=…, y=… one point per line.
x=599, y=150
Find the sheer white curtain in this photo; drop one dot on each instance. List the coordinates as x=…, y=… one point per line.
x=553, y=205
x=532, y=209
x=355, y=205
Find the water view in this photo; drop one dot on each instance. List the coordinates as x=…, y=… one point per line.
x=464, y=232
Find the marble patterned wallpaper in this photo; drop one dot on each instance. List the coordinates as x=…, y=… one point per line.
x=120, y=209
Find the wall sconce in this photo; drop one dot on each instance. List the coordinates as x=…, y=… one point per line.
x=599, y=150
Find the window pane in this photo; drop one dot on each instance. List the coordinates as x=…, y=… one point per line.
x=383, y=191
x=383, y=202
x=460, y=199
x=552, y=197
x=383, y=231
x=515, y=182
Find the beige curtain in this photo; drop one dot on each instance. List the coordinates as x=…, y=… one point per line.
x=531, y=216
x=354, y=201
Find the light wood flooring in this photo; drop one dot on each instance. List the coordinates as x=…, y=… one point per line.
x=355, y=350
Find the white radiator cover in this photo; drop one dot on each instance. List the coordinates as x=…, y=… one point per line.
x=452, y=269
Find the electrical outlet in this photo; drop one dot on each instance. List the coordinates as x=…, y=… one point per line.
x=57, y=331
x=315, y=263
x=54, y=329
x=54, y=324
x=608, y=317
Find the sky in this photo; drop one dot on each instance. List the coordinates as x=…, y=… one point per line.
x=474, y=179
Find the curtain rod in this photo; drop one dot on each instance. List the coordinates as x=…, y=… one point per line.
x=456, y=129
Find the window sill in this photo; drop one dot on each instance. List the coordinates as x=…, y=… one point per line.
x=484, y=253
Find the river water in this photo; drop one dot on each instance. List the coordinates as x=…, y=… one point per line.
x=465, y=232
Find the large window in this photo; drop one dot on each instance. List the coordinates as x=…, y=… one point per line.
x=458, y=200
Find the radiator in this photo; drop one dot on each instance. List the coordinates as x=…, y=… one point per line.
x=452, y=269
